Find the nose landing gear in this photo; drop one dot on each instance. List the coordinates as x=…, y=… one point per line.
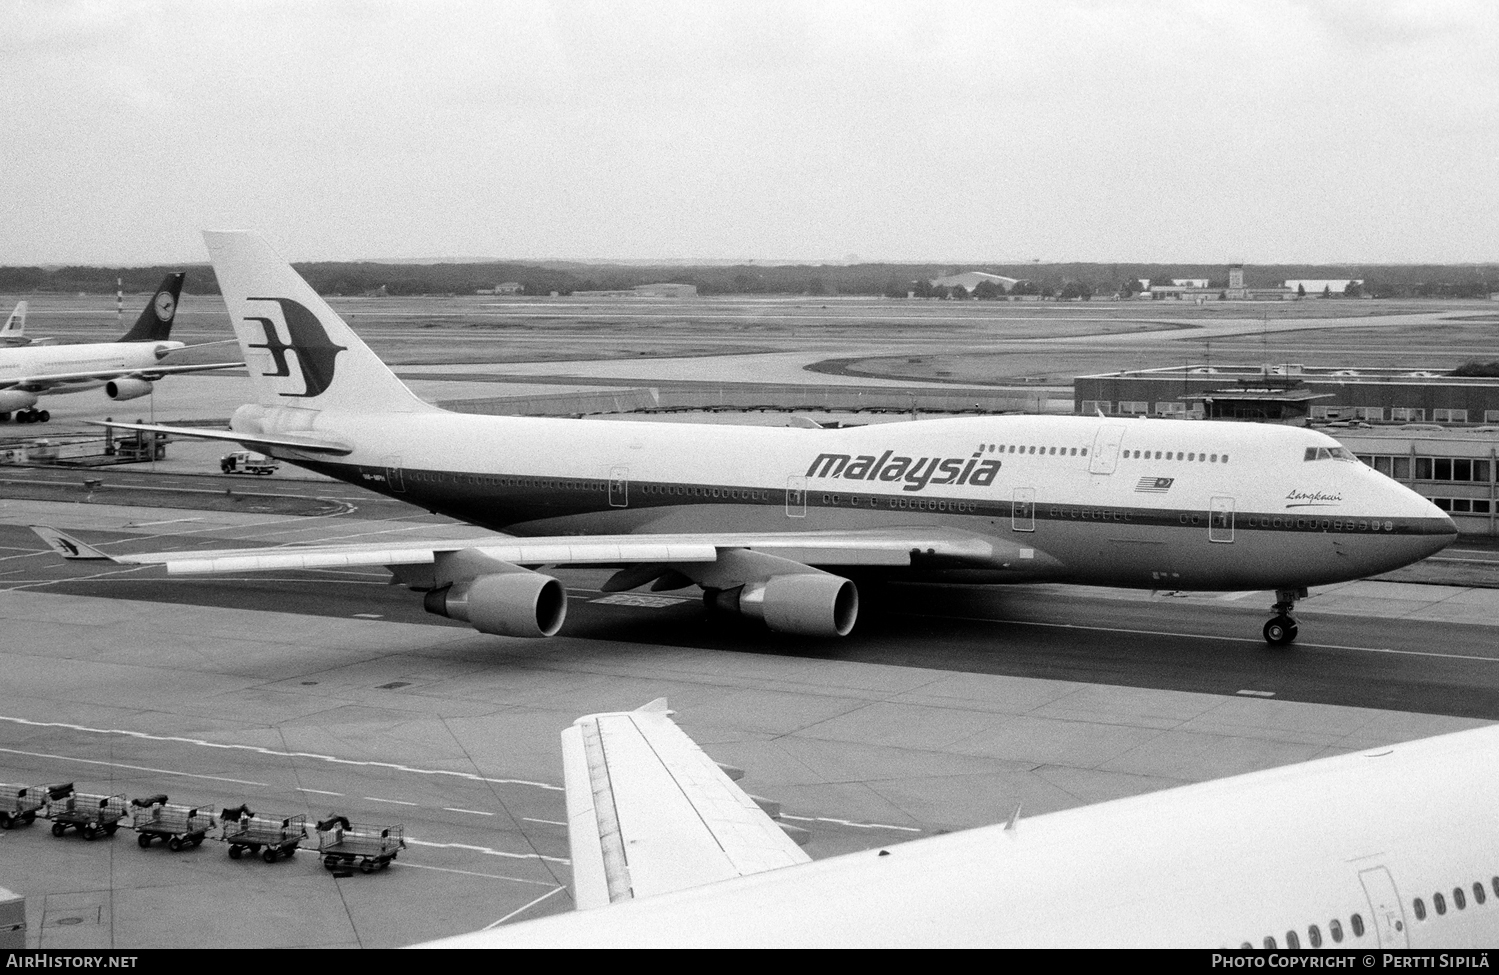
x=1281, y=631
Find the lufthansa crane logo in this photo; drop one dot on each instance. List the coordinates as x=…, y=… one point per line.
x=166, y=306
x=315, y=352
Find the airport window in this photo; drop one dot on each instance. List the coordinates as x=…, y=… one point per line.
x=1335, y=928
x=1375, y=413
x=1420, y=907
x=1133, y=406
x=1314, y=936
x=1171, y=408
x=1390, y=466
x=1401, y=414
x=1439, y=902
x=1450, y=416
x=1491, y=416
x=1463, y=506
x=1092, y=407
x=1451, y=469
x=1458, y=899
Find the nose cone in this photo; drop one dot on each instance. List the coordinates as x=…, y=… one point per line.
x=1430, y=528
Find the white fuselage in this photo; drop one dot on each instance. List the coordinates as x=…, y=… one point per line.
x=77, y=361
x=1334, y=853
x=1144, y=503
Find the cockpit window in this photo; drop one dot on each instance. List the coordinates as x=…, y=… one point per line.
x=1329, y=453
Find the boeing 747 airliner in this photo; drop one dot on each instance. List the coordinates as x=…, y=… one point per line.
x=782, y=524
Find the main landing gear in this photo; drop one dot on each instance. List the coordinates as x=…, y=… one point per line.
x=1281, y=631
x=28, y=416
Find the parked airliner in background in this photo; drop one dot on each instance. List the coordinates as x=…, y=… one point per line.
x=784, y=524
x=13, y=333
x=126, y=369
x=1390, y=847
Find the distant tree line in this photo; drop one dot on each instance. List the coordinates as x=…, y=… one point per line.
x=1065, y=281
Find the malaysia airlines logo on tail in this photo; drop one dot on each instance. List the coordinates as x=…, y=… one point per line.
x=315, y=352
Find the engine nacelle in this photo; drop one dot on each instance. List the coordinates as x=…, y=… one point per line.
x=810, y=604
x=126, y=388
x=519, y=603
x=16, y=399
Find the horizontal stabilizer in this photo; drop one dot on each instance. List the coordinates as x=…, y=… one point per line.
x=67, y=546
x=312, y=445
x=649, y=812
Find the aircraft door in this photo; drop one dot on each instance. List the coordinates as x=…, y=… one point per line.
x=1023, y=510
x=1221, y=520
x=393, y=477
x=1384, y=903
x=1106, y=448
x=796, y=497
x=619, y=487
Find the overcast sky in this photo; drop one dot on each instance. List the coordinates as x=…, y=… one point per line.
x=1096, y=130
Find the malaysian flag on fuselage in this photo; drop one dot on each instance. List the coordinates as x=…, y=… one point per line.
x=1154, y=485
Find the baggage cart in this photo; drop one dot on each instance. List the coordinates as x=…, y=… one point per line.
x=173, y=823
x=264, y=835
x=86, y=812
x=342, y=843
x=19, y=804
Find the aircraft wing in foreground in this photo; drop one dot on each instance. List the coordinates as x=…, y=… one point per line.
x=1389, y=847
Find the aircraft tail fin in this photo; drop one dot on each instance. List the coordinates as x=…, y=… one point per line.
x=300, y=353
x=155, y=323
x=67, y=546
x=15, y=325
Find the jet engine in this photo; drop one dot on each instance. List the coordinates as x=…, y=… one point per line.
x=16, y=399
x=810, y=604
x=515, y=603
x=126, y=388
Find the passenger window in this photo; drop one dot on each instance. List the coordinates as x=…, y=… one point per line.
x=1074, y=451
x=1292, y=941
x=1191, y=457
x=1215, y=459
x=1458, y=898
x=1420, y=907
x=1357, y=923
x=1439, y=902
x=1335, y=928
x=1314, y=936
x=1225, y=458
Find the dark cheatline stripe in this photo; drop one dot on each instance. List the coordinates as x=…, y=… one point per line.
x=518, y=499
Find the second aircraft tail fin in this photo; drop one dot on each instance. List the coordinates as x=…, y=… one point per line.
x=300, y=353
x=155, y=323
x=15, y=325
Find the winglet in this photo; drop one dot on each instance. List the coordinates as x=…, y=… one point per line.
x=658, y=706
x=68, y=547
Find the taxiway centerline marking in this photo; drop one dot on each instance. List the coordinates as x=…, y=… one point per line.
x=395, y=802
x=472, y=812
x=842, y=822
x=526, y=907
x=474, y=873
x=488, y=852
x=134, y=768
x=273, y=753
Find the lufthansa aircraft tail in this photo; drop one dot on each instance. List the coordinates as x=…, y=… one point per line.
x=299, y=352
x=155, y=323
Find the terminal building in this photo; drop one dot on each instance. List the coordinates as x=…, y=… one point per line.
x=1438, y=434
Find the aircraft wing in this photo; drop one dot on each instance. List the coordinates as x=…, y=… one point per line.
x=41, y=382
x=648, y=812
x=882, y=547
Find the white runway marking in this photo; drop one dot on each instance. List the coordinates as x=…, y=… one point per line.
x=394, y=802
x=475, y=873
x=518, y=910
x=471, y=812
x=1235, y=596
x=171, y=521
x=489, y=852
x=321, y=792
x=1247, y=693
x=274, y=753
x=134, y=768
x=544, y=822
x=842, y=822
